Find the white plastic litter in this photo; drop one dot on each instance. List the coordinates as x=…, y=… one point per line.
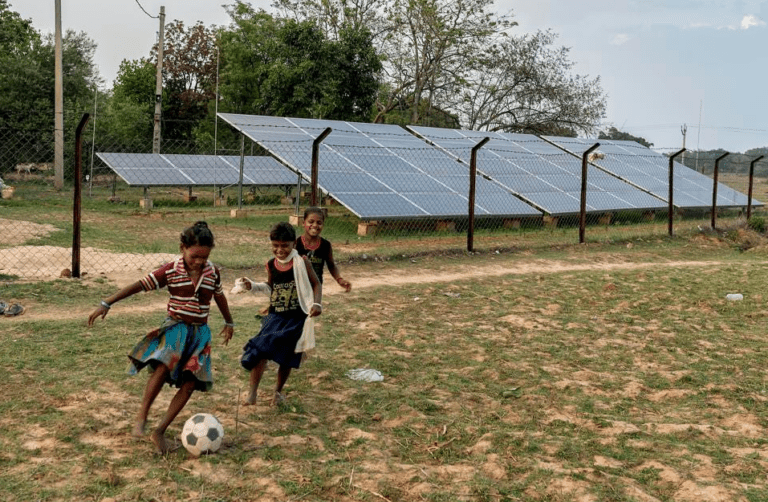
x=734, y=296
x=365, y=375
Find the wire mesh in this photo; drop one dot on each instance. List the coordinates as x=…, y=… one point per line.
x=384, y=198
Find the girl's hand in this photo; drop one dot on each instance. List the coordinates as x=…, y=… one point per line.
x=344, y=284
x=316, y=310
x=100, y=311
x=227, y=332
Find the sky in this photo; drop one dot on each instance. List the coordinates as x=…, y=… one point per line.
x=665, y=65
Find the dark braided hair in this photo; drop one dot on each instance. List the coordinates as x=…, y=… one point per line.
x=314, y=210
x=283, y=232
x=197, y=235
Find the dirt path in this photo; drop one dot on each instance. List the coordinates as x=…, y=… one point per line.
x=393, y=278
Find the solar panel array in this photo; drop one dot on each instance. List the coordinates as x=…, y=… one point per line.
x=379, y=171
x=539, y=172
x=649, y=171
x=154, y=169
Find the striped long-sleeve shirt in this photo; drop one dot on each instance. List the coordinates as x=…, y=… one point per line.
x=189, y=302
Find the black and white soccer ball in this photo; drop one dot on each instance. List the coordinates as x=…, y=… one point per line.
x=202, y=433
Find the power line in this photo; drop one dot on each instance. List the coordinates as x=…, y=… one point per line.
x=145, y=12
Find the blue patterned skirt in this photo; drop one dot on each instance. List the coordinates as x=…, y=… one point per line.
x=184, y=348
x=276, y=341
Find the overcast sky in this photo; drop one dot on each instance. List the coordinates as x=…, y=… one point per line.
x=663, y=63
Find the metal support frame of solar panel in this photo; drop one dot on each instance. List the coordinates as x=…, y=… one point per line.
x=540, y=173
x=155, y=169
x=378, y=171
x=649, y=171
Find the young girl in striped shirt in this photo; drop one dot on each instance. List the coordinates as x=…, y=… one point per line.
x=179, y=352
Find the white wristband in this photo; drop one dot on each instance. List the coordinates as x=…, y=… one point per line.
x=317, y=304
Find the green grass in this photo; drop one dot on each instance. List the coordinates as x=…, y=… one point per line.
x=587, y=384
x=541, y=383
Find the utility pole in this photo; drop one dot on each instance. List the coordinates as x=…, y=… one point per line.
x=684, y=130
x=159, y=85
x=58, y=136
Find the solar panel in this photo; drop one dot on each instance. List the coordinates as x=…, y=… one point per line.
x=379, y=171
x=539, y=172
x=649, y=170
x=153, y=169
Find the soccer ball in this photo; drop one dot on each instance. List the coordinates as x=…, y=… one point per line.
x=202, y=433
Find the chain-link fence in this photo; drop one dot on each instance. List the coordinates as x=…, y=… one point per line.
x=390, y=197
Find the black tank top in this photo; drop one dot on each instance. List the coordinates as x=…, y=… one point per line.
x=284, y=299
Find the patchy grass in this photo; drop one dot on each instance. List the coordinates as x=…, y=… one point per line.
x=543, y=383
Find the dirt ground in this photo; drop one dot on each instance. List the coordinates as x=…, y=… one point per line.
x=52, y=260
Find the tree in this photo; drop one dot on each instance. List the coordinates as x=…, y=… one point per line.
x=27, y=83
x=334, y=16
x=287, y=67
x=525, y=85
x=22, y=81
x=613, y=133
x=127, y=115
x=432, y=46
x=189, y=77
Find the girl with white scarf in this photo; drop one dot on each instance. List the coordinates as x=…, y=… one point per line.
x=287, y=332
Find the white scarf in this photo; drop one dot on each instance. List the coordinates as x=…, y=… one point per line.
x=306, y=300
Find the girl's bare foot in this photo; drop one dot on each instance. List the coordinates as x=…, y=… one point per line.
x=138, y=429
x=158, y=438
x=278, y=399
x=251, y=400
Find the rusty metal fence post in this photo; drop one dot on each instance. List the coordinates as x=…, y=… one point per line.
x=714, y=188
x=670, y=196
x=751, y=180
x=472, y=180
x=78, y=194
x=583, y=202
x=315, y=161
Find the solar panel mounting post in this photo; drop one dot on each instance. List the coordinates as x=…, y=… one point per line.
x=472, y=179
x=583, y=201
x=714, y=187
x=242, y=166
x=751, y=179
x=670, y=195
x=315, y=154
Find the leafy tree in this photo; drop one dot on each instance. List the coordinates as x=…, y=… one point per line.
x=23, y=95
x=613, y=133
x=189, y=77
x=432, y=46
x=127, y=117
x=287, y=67
x=27, y=82
x=525, y=85
x=334, y=16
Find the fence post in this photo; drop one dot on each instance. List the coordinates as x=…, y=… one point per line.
x=77, y=207
x=472, y=179
x=298, y=195
x=315, y=155
x=583, y=203
x=671, y=198
x=751, y=179
x=714, y=188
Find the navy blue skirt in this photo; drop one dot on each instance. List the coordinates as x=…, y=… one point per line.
x=276, y=342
